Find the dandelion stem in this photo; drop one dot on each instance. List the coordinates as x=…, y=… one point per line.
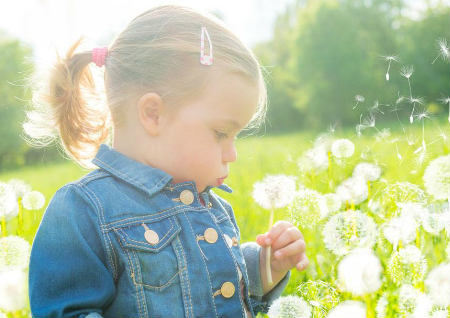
x=353, y=205
x=20, y=216
x=370, y=307
x=417, y=238
x=3, y=226
x=268, y=251
x=368, y=189
x=330, y=171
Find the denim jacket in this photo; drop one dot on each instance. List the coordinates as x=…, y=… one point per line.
x=124, y=241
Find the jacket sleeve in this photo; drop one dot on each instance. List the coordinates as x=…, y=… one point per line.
x=260, y=302
x=68, y=273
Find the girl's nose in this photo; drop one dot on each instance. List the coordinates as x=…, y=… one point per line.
x=230, y=153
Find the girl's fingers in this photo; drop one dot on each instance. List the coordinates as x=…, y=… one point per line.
x=290, y=234
x=296, y=248
x=302, y=264
x=278, y=228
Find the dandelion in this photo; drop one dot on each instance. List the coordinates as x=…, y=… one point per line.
x=413, y=303
x=348, y=230
x=396, y=193
x=14, y=253
x=13, y=290
x=368, y=171
x=407, y=266
x=314, y=159
x=289, y=307
x=406, y=71
x=383, y=134
x=444, y=50
x=359, y=99
x=308, y=208
x=20, y=187
x=347, y=309
x=400, y=229
x=324, y=141
x=320, y=295
x=342, y=148
x=414, y=101
x=359, y=272
x=333, y=202
x=437, y=178
x=33, y=200
x=9, y=207
x=390, y=58
x=432, y=222
x=438, y=284
x=353, y=190
x=274, y=191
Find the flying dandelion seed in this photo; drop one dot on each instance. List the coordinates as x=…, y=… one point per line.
x=359, y=99
x=389, y=59
x=414, y=101
x=407, y=266
x=384, y=134
x=348, y=230
x=359, y=272
x=406, y=72
x=444, y=50
x=289, y=307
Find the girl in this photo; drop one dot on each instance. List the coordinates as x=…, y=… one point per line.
x=143, y=235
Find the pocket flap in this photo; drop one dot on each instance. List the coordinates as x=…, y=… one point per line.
x=134, y=236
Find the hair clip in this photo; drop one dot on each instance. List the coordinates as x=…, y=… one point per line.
x=205, y=59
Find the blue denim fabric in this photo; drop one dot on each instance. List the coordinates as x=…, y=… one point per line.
x=90, y=257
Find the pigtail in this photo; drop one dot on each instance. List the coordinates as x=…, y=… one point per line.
x=68, y=108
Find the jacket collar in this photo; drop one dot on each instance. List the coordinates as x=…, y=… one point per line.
x=145, y=177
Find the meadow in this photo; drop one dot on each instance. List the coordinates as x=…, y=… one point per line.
x=394, y=151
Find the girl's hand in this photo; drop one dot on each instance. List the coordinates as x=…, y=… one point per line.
x=288, y=249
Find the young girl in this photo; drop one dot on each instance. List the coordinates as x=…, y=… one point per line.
x=143, y=235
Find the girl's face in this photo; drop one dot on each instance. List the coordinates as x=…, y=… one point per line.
x=199, y=142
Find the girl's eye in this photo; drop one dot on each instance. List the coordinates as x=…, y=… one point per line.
x=221, y=135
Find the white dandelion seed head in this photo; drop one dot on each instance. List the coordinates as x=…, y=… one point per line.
x=308, y=207
x=353, y=190
x=401, y=228
x=314, y=159
x=440, y=313
x=274, y=191
x=348, y=230
x=400, y=192
x=342, y=148
x=413, y=303
x=321, y=295
x=437, y=178
x=333, y=202
x=360, y=98
x=33, y=200
x=381, y=307
x=444, y=50
x=413, y=209
x=289, y=307
x=324, y=141
x=432, y=222
x=369, y=171
x=347, y=309
x=438, y=284
x=20, y=187
x=391, y=58
x=407, y=71
x=9, y=206
x=13, y=290
x=359, y=272
x=14, y=253
x=445, y=100
x=416, y=100
x=383, y=134
x=407, y=266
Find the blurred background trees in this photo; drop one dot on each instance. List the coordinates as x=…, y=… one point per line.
x=321, y=55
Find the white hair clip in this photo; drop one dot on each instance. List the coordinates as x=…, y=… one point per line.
x=205, y=59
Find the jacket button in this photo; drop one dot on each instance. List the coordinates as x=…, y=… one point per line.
x=227, y=290
x=209, y=205
x=151, y=237
x=211, y=235
x=187, y=197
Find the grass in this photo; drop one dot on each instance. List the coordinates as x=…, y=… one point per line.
x=273, y=155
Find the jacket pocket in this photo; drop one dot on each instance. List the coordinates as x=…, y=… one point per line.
x=151, y=251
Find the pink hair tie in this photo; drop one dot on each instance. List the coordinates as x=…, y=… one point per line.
x=99, y=56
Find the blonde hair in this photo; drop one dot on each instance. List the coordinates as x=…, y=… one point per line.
x=158, y=51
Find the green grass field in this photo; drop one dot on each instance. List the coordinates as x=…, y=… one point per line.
x=259, y=156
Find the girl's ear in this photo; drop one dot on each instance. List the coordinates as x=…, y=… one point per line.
x=150, y=111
